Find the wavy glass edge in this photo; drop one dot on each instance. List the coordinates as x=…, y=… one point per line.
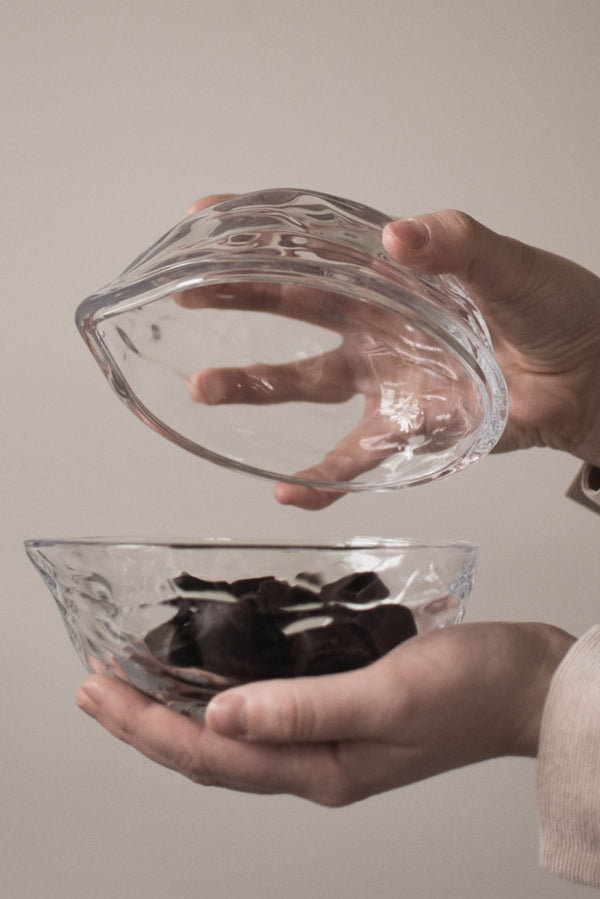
x=379, y=279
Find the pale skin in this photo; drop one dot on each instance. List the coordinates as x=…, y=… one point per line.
x=542, y=313
x=440, y=700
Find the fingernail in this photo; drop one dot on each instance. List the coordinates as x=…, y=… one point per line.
x=191, y=382
x=86, y=698
x=412, y=233
x=226, y=714
x=205, y=387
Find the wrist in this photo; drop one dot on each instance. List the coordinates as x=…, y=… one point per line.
x=548, y=646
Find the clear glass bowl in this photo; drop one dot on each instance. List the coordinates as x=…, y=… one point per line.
x=183, y=621
x=272, y=334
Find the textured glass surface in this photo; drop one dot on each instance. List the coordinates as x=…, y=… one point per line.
x=335, y=607
x=271, y=333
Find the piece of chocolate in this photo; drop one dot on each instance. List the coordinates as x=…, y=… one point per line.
x=171, y=642
x=351, y=638
x=280, y=599
x=388, y=624
x=251, y=586
x=340, y=645
x=187, y=583
x=363, y=586
x=235, y=641
x=271, y=628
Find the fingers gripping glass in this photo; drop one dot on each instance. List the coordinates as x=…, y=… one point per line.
x=271, y=333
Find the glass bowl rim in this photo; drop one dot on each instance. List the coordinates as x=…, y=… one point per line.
x=212, y=543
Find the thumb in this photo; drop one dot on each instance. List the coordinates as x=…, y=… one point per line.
x=304, y=709
x=451, y=242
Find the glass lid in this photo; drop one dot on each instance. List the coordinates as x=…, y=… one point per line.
x=271, y=333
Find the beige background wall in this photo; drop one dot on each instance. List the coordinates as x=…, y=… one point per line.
x=114, y=116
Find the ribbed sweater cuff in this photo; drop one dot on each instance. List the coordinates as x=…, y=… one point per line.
x=569, y=766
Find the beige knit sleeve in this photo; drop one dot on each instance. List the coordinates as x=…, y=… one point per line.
x=569, y=766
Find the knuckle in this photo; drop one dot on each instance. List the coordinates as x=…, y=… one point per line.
x=126, y=724
x=532, y=273
x=195, y=765
x=335, y=792
x=334, y=785
x=201, y=777
x=463, y=225
x=460, y=235
x=123, y=730
x=293, y=719
x=334, y=798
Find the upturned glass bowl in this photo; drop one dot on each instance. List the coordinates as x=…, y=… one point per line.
x=183, y=621
x=271, y=333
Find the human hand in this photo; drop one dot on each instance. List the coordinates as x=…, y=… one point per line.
x=439, y=701
x=417, y=398
x=543, y=313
